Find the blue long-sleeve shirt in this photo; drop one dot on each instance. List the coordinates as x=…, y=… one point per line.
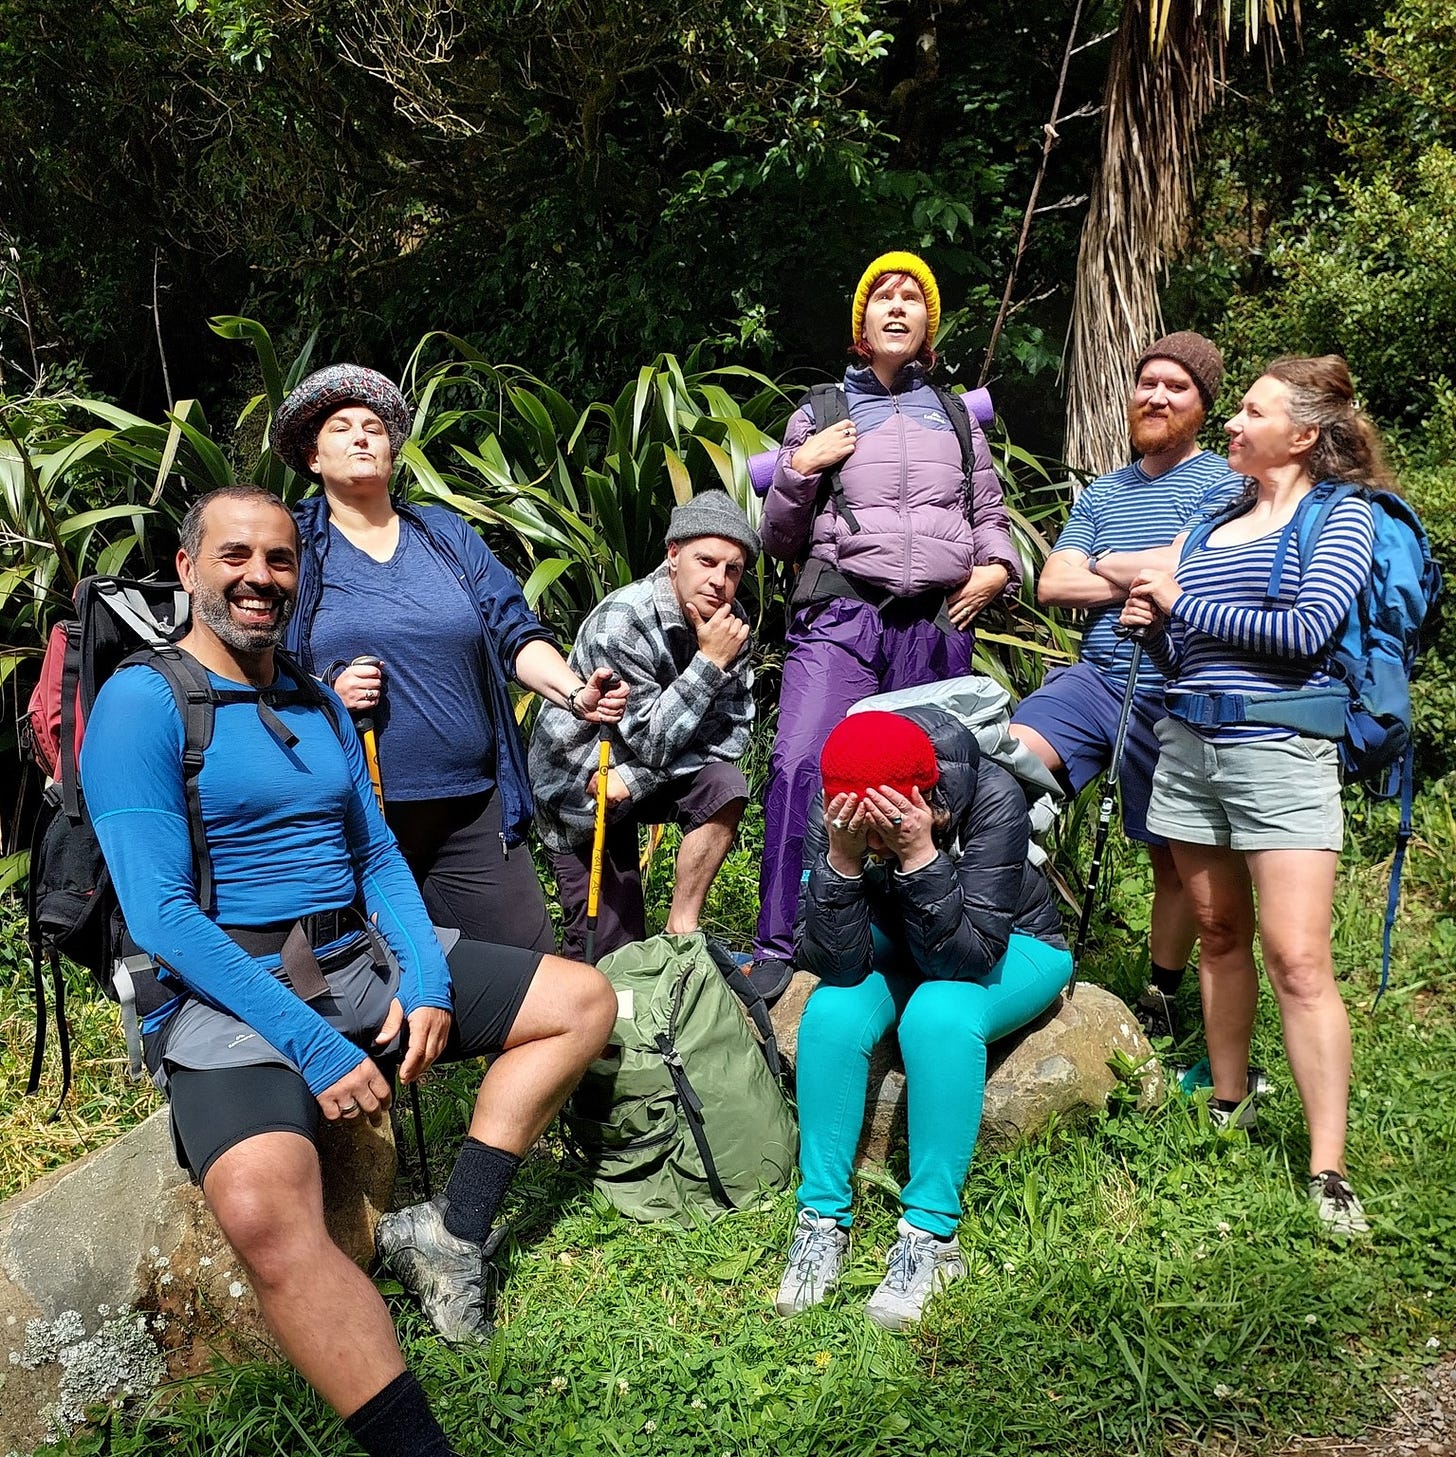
x=291, y=831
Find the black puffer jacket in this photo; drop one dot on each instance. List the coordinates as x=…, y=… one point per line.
x=954, y=916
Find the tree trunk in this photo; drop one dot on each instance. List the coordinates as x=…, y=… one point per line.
x=1138, y=214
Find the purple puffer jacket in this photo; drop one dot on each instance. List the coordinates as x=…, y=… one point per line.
x=904, y=486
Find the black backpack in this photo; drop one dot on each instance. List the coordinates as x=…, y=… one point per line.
x=71, y=906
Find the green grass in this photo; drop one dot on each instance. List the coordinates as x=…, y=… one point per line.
x=1140, y=1282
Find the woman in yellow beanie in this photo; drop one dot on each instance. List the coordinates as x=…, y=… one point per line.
x=905, y=539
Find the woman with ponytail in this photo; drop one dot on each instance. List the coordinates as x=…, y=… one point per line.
x=1254, y=808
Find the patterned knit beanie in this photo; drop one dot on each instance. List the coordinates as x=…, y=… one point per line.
x=301, y=416
x=869, y=749
x=1199, y=356
x=918, y=269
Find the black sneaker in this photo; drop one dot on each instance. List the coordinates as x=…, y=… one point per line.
x=452, y=1278
x=771, y=977
x=1154, y=1010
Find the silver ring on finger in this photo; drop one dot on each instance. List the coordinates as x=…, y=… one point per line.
x=897, y=819
x=838, y=824
x=347, y=1108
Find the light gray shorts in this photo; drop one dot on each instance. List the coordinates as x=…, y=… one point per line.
x=1261, y=794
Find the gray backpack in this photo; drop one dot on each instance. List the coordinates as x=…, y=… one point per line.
x=681, y=1117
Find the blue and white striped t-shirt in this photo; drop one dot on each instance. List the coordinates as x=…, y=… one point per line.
x=1223, y=635
x=1129, y=510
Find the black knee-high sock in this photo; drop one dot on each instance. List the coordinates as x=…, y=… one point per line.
x=1168, y=979
x=397, y=1422
x=478, y=1183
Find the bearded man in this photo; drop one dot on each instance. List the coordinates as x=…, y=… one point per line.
x=1122, y=523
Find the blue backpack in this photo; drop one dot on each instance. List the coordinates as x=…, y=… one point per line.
x=1367, y=708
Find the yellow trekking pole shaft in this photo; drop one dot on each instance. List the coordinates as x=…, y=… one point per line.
x=599, y=844
x=364, y=722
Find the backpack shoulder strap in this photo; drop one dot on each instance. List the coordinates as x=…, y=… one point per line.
x=829, y=405
x=70, y=687
x=196, y=701
x=960, y=420
x=1304, y=529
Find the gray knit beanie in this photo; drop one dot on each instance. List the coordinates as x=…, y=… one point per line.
x=714, y=513
x=1199, y=356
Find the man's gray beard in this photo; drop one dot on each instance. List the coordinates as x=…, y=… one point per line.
x=212, y=608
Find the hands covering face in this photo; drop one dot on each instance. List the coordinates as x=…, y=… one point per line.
x=883, y=820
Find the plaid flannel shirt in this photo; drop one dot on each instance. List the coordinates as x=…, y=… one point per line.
x=682, y=712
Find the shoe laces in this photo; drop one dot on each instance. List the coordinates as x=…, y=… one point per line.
x=1335, y=1187
x=907, y=1255
x=812, y=1245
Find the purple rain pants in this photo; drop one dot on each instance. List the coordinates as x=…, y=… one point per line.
x=839, y=652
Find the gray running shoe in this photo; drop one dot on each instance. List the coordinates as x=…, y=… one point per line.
x=919, y=1264
x=1245, y=1117
x=815, y=1259
x=1335, y=1203
x=452, y=1278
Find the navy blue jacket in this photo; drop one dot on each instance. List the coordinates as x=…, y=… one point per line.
x=954, y=916
x=454, y=541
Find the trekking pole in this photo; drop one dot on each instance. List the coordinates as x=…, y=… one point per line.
x=599, y=844
x=364, y=723
x=1104, y=808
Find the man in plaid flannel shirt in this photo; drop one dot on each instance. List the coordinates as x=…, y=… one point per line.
x=680, y=642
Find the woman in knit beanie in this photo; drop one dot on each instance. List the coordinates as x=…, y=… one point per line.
x=406, y=613
x=921, y=913
x=891, y=502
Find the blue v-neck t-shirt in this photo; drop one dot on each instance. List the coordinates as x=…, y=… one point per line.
x=434, y=729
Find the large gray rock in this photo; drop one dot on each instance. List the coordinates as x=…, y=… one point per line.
x=1051, y=1066
x=123, y=1231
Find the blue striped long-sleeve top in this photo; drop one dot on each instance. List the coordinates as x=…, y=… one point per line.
x=1224, y=636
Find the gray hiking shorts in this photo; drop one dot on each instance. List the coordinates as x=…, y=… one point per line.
x=226, y=1083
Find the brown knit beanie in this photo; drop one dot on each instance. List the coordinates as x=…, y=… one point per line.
x=1199, y=356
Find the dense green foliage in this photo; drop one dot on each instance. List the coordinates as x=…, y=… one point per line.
x=574, y=187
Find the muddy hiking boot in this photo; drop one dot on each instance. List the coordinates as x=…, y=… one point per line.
x=918, y=1265
x=815, y=1259
x=452, y=1278
x=1336, y=1203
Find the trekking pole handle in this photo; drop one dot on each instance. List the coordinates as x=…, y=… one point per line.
x=364, y=717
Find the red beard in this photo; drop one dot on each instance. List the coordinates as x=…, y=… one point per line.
x=1155, y=434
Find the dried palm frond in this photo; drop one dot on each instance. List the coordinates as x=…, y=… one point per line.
x=1163, y=78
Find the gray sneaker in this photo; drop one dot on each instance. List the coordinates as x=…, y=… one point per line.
x=1335, y=1203
x=452, y=1278
x=815, y=1259
x=1245, y=1117
x=919, y=1264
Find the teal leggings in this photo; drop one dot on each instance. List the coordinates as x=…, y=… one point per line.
x=943, y=1027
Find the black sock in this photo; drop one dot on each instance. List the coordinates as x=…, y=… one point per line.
x=1224, y=1105
x=397, y=1422
x=1168, y=979
x=481, y=1176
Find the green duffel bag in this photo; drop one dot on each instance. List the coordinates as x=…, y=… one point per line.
x=681, y=1117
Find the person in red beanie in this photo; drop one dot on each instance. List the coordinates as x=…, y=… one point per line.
x=919, y=912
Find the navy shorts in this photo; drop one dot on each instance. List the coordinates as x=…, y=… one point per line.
x=1076, y=711
x=218, y=1101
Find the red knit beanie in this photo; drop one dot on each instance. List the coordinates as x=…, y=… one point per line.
x=871, y=749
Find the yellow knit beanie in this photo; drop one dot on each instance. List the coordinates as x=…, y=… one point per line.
x=918, y=269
